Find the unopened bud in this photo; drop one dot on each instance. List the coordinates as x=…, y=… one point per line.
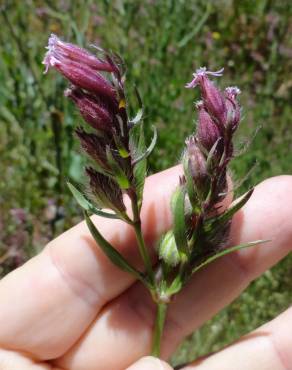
x=197, y=166
x=106, y=191
x=94, y=146
x=233, y=108
x=207, y=132
x=93, y=111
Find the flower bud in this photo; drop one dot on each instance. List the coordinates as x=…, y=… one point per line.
x=93, y=111
x=207, y=131
x=106, y=190
x=197, y=166
x=233, y=108
x=213, y=99
x=94, y=146
x=77, y=70
x=73, y=52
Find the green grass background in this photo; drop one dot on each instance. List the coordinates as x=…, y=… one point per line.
x=162, y=42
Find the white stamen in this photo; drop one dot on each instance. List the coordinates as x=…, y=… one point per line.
x=233, y=90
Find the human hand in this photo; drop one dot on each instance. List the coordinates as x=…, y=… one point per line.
x=70, y=308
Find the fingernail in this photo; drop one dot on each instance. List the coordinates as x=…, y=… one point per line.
x=149, y=363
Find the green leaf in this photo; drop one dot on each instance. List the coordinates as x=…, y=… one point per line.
x=138, y=118
x=179, y=222
x=175, y=286
x=115, y=257
x=190, y=186
x=215, y=222
x=149, y=150
x=85, y=203
x=79, y=197
x=137, y=145
x=119, y=174
x=168, y=250
x=227, y=251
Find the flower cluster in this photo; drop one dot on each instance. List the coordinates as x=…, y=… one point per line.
x=115, y=145
x=205, y=226
x=97, y=90
x=218, y=119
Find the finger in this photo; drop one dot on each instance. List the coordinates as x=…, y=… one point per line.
x=149, y=363
x=127, y=323
x=267, y=348
x=49, y=302
x=10, y=360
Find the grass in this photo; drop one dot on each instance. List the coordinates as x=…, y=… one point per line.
x=162, y=42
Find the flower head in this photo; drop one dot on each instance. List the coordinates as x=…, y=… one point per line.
x=58, y=49
x=79, y=66
x=212, y=96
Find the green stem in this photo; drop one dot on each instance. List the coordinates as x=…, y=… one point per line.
x=143, y=252
x=140, y=239
x=158, y=330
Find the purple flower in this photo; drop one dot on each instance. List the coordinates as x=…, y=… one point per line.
x=94, y=111
x=212, y=96
x=60, y=49
x=79, y=67
x=197, y=165
x=207, y=132
x=233, y=107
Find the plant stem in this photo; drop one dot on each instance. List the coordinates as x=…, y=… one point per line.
x=158, y=330
x=143, y=252
x=140, y=239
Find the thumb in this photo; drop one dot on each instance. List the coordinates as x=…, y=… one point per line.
x=150, y=363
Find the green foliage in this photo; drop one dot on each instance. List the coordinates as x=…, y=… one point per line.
x=162, y=42
x=115, y=257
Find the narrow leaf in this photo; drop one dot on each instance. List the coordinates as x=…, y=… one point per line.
x=149, y=149
x=79, y=197
x=175, y=286
x=115, y=257
x=179, y=223
x=238, y=204
x=217, y=221
x=137, y=147
x=190, y=186
x=227, y=251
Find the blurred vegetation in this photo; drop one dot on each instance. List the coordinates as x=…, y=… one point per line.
x=162, y=42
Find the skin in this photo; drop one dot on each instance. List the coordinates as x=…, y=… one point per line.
x=70, y=308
